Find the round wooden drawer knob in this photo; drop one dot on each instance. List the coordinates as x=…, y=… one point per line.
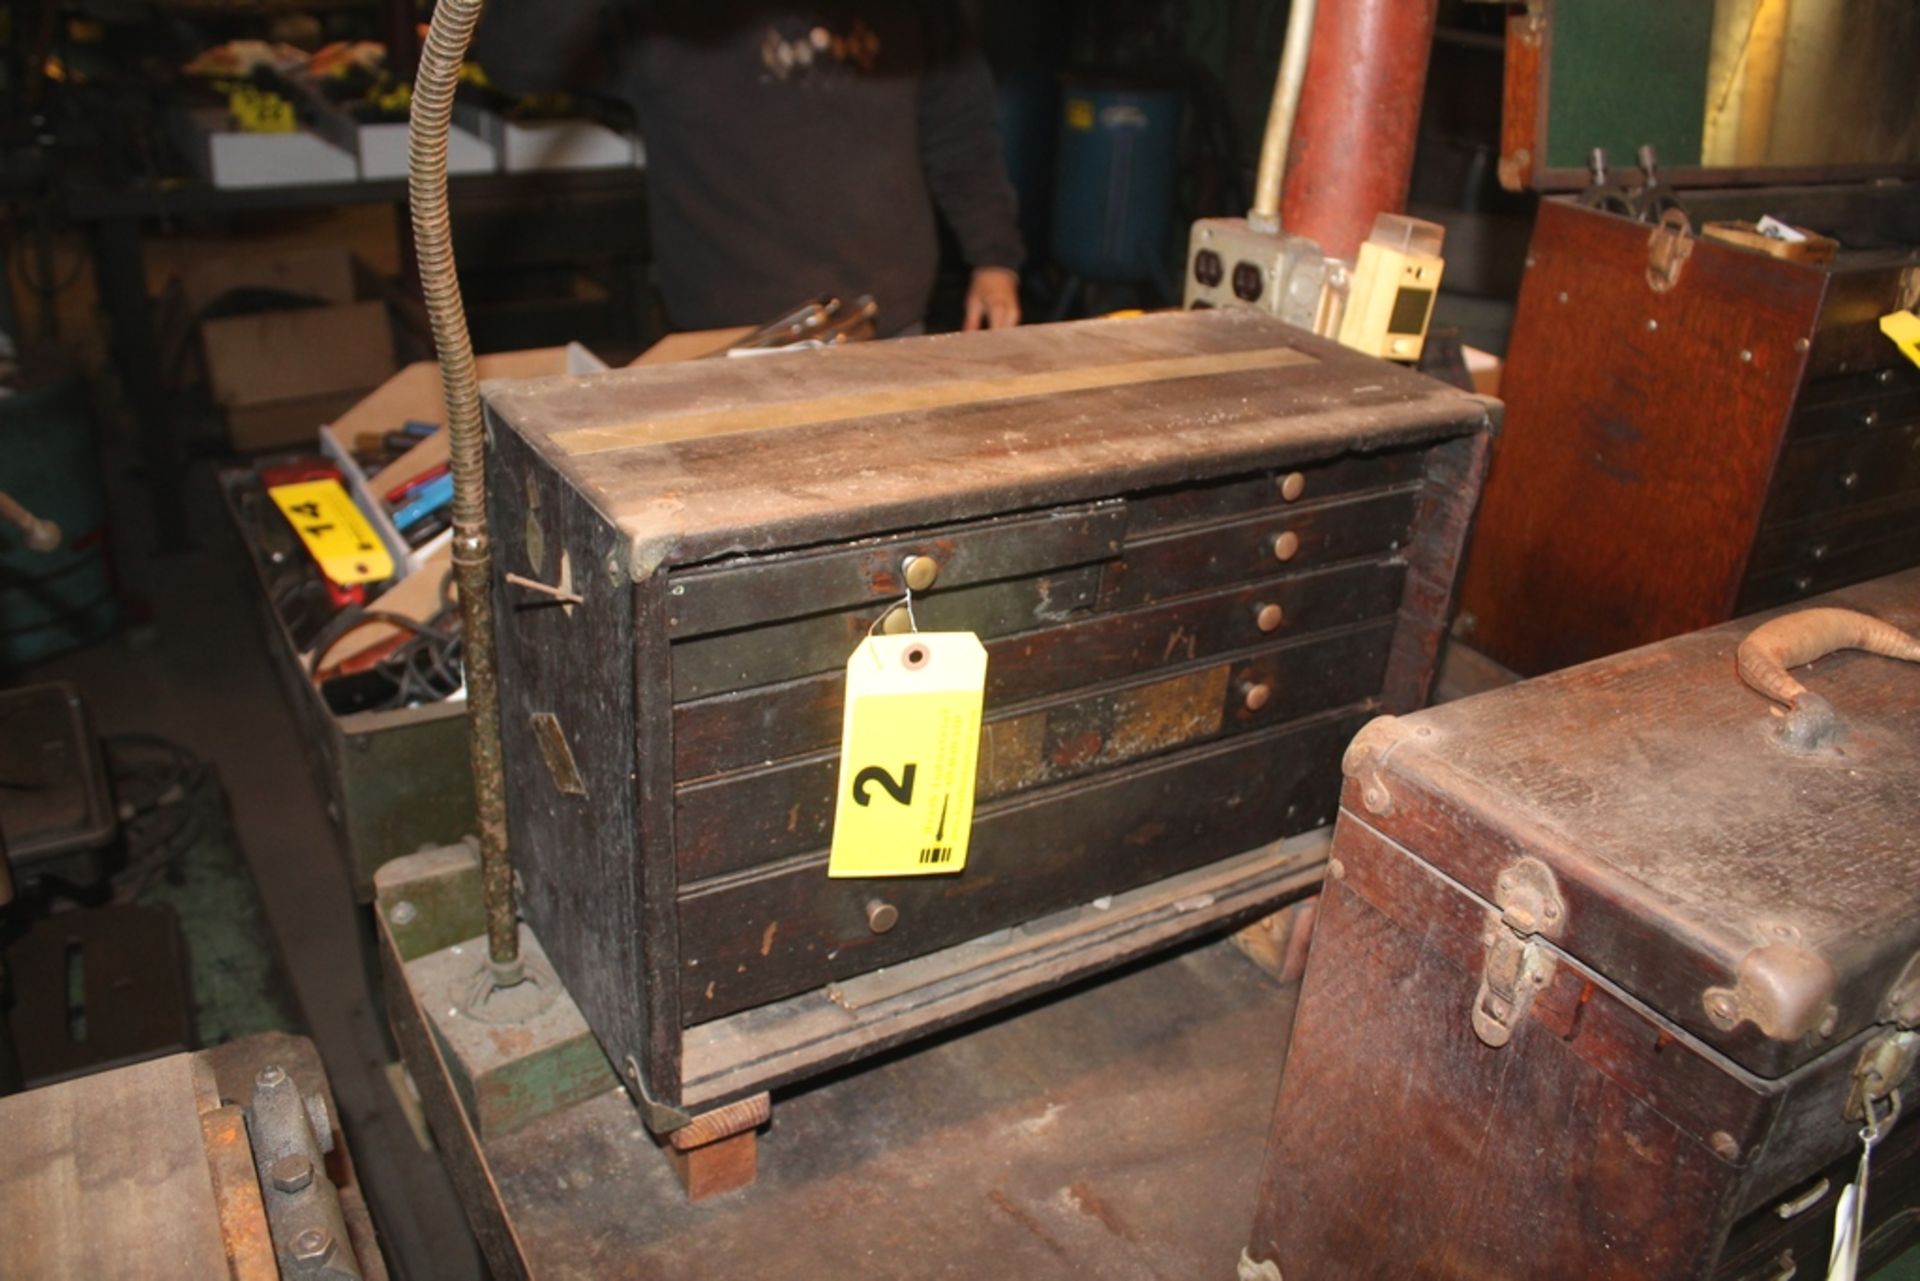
x=1268, y=617
x=921, y=571
x=1256, y=695
x=1292, y=485
x=1286, y=545
x=881, y=915
x=897, y=622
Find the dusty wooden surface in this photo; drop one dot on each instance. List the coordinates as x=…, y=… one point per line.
x=920, y=431
x=131, y=1172
x=1685, y=840
x=1113, y=1132
x=107, y=1176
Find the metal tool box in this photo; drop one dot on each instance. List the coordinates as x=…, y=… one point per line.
x=395, y=781
x=1201, y=550
x=1611, y=966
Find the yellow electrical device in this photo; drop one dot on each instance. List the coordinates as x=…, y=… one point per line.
x=1394, y=284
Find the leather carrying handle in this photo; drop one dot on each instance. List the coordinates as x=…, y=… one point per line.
x=1793, y=640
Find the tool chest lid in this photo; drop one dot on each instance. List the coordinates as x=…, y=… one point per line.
x=1765, y=899
x=712, y=457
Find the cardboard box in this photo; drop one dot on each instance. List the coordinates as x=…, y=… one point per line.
x=328, y=273
x=279, y=374
x=526, y=146
x=380, y=150
x=413, y=395
x=1483, y=367
x=287, y=355
x=1812, y=247
x=231, y=158
x=276, y=424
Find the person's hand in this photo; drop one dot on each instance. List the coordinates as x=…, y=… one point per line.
x=993, y=298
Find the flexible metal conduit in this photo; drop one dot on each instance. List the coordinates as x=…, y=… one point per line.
x=448, y=36
x=1265, y=214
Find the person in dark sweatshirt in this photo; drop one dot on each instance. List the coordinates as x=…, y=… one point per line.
x=795, y=150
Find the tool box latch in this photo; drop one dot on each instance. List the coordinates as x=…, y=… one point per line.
x=1518, y=964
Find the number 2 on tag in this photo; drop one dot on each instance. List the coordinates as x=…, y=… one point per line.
x=909, y=751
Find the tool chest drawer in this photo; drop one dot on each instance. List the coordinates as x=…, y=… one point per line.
x=1198, y=550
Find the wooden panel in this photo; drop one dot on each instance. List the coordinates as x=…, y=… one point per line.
x=1806, y=545
x=1839, y=470
x=773, y=1045
x=752, y=591
x=1553, y=1167
x=1897, y=379
x=1848, y=339
x=1320, y=534
x=746, y=820
x=591, y=867
x=908, y=395
x=1455, y=472
x=107, y=1176
x=1523, y=131
x=1160, y=510
x=688, y=501
x=756, y=940
x=727, y=661
x=736, y=730
x=1637, y=445
x=1880, y=405
x=1830, y=552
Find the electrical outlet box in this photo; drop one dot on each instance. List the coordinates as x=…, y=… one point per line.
x=1232, y=264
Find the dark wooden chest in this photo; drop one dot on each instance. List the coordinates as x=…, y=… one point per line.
x=1597, y=970
x=1201, y=551
x=1677, y=453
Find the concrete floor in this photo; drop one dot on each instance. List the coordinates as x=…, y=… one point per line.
x=197, y=673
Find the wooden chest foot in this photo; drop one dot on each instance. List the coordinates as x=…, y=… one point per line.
x=1278, y=944
x=718, y=1151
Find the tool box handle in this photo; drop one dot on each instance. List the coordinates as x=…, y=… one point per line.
x=1792, y=640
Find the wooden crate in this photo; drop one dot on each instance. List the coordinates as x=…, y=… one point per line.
x=1201, y=550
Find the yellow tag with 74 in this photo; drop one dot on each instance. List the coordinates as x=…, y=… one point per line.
x=909, y=750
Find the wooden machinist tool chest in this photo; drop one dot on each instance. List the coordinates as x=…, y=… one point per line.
x=1613, y=967
x=1201, y=550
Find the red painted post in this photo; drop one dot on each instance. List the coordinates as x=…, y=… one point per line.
x=1353, y=136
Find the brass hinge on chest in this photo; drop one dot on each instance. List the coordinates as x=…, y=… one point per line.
x=1518, y=964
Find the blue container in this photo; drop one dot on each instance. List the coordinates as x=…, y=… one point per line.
x=1029, y=113
x=51, y=602
x=1113, y=189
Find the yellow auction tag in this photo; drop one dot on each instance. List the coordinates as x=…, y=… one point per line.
x=335, y=531
x=909, y=748
x=1904, y=328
